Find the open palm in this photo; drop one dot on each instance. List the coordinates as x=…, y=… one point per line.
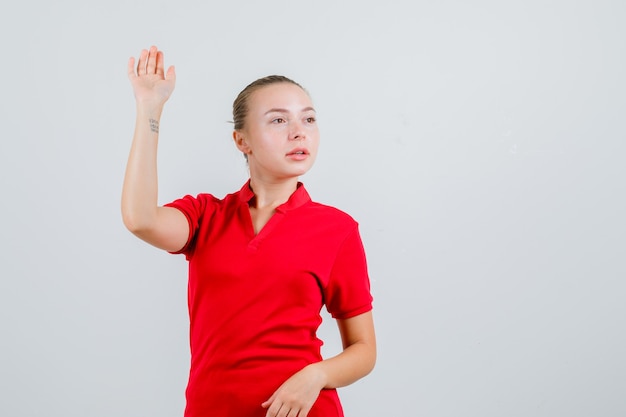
x=150, y=82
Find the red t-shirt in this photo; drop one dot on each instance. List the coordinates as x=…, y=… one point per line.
x=255, y=300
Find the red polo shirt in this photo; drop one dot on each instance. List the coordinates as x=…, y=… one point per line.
x=255, y=300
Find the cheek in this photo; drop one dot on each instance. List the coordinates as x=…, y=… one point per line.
x=267, y=143
x=313, y=132
x=259, y=138
x=315, y=138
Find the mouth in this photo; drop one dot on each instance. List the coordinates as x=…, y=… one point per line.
x=299, y=151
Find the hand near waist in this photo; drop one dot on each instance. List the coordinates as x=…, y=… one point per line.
x=296, y=396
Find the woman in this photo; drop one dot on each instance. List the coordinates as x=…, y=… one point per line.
x=262, y=261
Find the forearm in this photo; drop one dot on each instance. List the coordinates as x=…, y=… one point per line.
x=355, y=362
x=140, y=190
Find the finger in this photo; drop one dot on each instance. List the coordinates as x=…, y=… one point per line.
x=294, y=413
x=171, y=74
x=280, y=411
x=284, y=411
x=271, y=399
x=141, y=64
x=131, y=67
x=159, y=63
x=273, y=410
x=152, y=58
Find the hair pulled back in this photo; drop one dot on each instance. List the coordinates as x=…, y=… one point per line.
x=240, y=105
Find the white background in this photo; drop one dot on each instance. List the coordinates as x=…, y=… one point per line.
x=480, y=145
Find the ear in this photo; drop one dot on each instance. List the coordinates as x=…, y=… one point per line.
x=240, y=142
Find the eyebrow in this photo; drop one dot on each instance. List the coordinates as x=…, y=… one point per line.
x=279, y=110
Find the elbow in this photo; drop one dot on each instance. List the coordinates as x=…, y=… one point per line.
x=369, y=355
x=135, y=224
x=366, y=357
x=370, y=361
x=131, y=224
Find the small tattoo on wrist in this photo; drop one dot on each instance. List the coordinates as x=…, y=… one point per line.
x=154, y=125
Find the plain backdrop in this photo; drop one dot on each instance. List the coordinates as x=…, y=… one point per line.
x=480, y=145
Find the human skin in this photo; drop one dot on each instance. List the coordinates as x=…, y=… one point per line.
x=163, y=227
x=280, y=138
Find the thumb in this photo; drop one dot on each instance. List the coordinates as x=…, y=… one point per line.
x=269, y=402
x=131, y=67
x=171, y=73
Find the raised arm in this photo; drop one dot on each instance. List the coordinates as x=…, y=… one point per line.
x=163, y=227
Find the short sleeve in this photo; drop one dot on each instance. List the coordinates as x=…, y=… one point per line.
x=196, y=210
x=348, y=291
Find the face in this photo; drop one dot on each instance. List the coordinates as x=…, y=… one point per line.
x=280, y=136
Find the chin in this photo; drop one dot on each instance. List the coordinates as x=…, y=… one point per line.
x=294, y=173
x=303, y=171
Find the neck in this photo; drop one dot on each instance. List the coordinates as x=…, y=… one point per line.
x=272, y=194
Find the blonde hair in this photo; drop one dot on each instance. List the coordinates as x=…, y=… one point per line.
x=240, y=105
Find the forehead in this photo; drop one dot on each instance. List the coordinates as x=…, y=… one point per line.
x=280, y=95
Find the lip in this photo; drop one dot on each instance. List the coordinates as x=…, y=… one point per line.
x=298, y=152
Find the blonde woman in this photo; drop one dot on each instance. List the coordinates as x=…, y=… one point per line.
x=263, y=260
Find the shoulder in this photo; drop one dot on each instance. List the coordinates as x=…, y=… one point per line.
x=204, y=203
x=208, y=198
x=328, y=212
x=323, y=214
x=331, y=211
x=199, y=200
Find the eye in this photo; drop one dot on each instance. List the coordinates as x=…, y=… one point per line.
x=311, y=119
x=278, y=120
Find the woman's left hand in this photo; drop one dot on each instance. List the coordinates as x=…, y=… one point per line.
x=296, y=396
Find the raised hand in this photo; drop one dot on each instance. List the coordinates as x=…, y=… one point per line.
x=151, y=85
x=164, y=227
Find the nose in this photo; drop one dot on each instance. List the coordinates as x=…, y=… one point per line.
x=296, y=131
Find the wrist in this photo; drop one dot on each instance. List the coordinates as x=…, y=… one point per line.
x=149, y=109
x=318, y=374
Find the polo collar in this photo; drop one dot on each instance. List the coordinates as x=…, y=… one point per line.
x=298, y=198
